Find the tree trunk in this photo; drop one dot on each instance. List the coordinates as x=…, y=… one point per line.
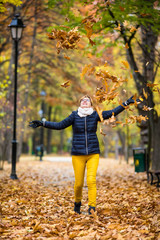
x=156, y=141
x=49, y=132
x=149, y=40
x=25, y=103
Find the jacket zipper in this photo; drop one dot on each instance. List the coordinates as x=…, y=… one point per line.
x=86, y=135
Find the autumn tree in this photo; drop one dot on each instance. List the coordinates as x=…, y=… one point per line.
x=136, y=25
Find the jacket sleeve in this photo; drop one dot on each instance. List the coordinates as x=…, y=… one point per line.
x=116, y=111
x=60, y=125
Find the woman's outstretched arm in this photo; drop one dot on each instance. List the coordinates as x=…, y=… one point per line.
x=117, y=110
x=54, y=125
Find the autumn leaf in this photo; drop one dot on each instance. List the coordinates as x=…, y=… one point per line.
x=65, y=84
x=121, y=8
x=65, y=40
x=92, y=42
x=88, y=26
x=125, y=63
x=126, y=46
x=87, y=69
x=141, y=99
x=99, y=113
x=101, y=131
x=151, y=85
x=89, y=30
x=141, y=118
x=145, y=94
x=118, y=28
x=133, y=29
x=119, y=122
x=146, y=108
x=66, y=57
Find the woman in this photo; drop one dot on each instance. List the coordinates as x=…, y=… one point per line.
x=85, y=145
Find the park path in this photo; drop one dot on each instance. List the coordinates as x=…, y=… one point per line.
x=40, y=204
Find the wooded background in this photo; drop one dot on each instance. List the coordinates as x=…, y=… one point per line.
x=119, y=39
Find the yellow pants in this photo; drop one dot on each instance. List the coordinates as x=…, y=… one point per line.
x=79, y=164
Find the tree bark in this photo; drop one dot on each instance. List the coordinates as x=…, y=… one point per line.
x=25, y=104
x=49, y=132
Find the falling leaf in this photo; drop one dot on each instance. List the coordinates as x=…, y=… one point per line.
x=99, y=113
x=65, y=84
x=133, y=29
x=126, y=46
x=105, y=64
x=65, y=40
x=86, y=69
x=147, y=63
x=145, y=94
x=66, y=57
x=101, y=131
x=141, y=99
x=121, y=8
x=141, y=118
x=146, y=108
x=131, y=76
x=119, y=122
x=151, y=85
x=125, y=63
x=118, y=28
x=92, y=42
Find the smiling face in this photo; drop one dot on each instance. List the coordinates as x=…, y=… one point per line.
x=85, y=103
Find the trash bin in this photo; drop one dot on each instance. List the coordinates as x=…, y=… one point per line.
x=140, y=156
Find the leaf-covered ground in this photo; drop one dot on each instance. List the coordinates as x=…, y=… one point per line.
x=40, y=204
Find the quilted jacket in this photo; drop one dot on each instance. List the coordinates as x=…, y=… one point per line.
x=84, y=129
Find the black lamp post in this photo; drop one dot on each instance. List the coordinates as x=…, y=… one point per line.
x=16, y=28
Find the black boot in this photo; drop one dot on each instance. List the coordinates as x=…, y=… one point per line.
x=77, y=207
x=90, y=208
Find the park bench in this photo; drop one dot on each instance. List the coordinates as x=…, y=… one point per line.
x=153, y=177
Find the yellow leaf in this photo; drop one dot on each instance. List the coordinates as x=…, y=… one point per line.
x=99, y=113
x=151, y=84
x=133, y=29
x=145, y=94
x=85, y=70
x=66, y=84
x=140, y=98
x=118, y=28
x=125, y=63
x=146, y=108
x=66, y=57
x=126, y=46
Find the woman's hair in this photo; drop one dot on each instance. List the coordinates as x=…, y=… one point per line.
x=86, y=96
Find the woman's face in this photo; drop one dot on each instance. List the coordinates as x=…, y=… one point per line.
x=85, y=103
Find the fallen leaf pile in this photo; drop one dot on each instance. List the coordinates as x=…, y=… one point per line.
x=40, y=204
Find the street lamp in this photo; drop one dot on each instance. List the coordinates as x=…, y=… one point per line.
x=16, y=28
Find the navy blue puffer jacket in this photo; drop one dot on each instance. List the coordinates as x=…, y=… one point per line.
x=85, y=139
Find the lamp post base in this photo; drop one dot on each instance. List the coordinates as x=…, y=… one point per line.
x=13, y=176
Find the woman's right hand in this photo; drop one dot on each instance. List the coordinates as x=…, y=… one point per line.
x=35, y=124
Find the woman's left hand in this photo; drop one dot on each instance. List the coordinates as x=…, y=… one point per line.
x=131, y=100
